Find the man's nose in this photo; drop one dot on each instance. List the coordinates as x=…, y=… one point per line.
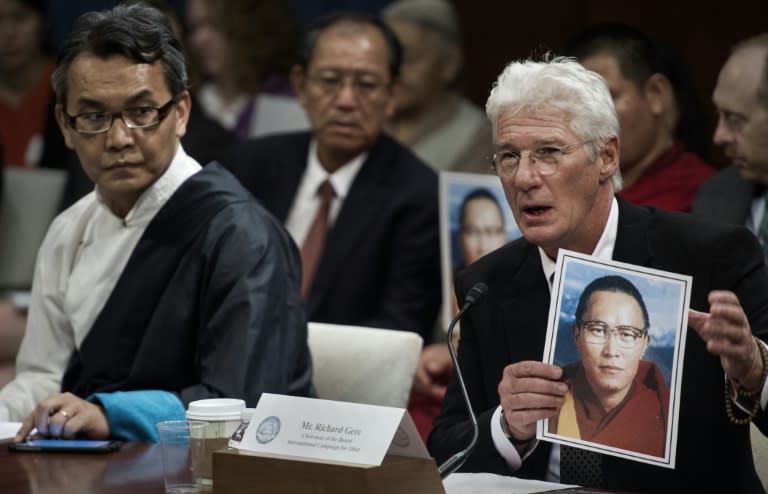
x=119, y=135
x=723, y=135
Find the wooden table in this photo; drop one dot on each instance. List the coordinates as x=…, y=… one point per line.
x=134, y=469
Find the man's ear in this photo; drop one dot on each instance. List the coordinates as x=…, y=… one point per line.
x=58, y=112
x=394, y=90
x=659, y=93
x=609, y=158
x=299, y=83
x=183, y=107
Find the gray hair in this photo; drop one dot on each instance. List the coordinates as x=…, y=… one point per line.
x=137, y=32
x=558, y=84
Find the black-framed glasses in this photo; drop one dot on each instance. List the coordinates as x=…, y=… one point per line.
x=364, y=84
x=598, y=332
x=544, y=159
x=138, y=117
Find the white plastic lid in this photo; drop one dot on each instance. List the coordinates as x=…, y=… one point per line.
x=247, y=413
x=216, y=409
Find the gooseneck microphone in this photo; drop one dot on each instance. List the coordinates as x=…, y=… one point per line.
x=454, y=462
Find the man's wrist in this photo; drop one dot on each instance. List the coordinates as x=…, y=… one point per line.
x=752, y=385
x=508, y=434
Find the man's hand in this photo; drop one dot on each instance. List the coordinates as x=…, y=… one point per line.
x=726, y=331
x=433, y=370
x=65, y=415
x=530, y=391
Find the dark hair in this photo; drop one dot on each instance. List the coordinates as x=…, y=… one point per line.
x=322, y=24
x=616, y=284
x=479, y=193
x=639, y=56
x=137, y=32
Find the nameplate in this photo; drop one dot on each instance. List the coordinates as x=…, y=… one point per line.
x=331, y=431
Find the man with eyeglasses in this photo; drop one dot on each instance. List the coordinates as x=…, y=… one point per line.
x=557, y=156
x=362, y=207
x=166, y=284
x=611, y=389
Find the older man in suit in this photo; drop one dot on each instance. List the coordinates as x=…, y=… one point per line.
x=556, y=134
x=378, y=263
x=738, y=193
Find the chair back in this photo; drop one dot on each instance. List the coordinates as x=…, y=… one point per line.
x=363, y=365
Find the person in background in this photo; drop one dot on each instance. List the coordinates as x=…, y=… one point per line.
x=431, y=116
x=25, y=81
x=378, y=264
x=243, y=50
x=737, y=194
x=557, y=159
x=166, y=284
x=611, y=389
x=205, y=139
x=664, y=135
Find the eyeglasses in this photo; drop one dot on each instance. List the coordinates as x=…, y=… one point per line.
x=139, y=117
x=363, y=84
x=545, y=159
x=597, y=333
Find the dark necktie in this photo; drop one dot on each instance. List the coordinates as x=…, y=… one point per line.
x=314, y=242
x=580, y=467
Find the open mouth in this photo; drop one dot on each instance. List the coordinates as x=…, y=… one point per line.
x=535, y=210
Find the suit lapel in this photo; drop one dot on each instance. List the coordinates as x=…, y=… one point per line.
x=525, y=309
x=632, y=243
x=357, y=215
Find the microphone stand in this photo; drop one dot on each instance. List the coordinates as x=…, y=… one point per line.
x=454, y=462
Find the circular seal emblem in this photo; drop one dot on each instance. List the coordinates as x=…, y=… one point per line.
x=401, y=438
x=268, y=429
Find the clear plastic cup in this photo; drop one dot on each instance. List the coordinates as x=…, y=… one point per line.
x=183, y=455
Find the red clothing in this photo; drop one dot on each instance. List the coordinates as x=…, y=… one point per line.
x=638, y=424
x=24, y=125
x=671, y=182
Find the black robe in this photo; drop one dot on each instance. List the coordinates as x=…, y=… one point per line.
x=207, y=306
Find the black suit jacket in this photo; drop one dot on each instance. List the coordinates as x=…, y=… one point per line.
x=381, y=263
x=725, y=197
x=509, y=325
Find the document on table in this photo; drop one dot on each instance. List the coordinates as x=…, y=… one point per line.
x=8, y=430
x=488, y=483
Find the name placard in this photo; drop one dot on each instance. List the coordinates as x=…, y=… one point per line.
x=331, y=431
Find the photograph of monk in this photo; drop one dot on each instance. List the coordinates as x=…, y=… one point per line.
x=475, y=220
x=617, y=343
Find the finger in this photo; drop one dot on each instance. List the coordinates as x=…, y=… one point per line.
x=437, y=391
x=697, y=319
x=56, y=423
x=531, y=368
x=26, y=428
x=531, y=401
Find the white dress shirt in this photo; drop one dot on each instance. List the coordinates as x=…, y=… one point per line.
x=306, y=201
x=78, y=264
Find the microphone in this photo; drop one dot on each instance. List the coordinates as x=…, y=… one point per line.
x=454, y=462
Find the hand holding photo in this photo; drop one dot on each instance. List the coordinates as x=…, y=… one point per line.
x=618, y=332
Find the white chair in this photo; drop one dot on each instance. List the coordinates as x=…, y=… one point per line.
x=31, y=199
x=760, y=454
x=363, y=365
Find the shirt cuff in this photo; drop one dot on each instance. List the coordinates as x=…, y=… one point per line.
x=503, y=445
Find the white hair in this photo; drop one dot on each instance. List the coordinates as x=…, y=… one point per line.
x=558, y=84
